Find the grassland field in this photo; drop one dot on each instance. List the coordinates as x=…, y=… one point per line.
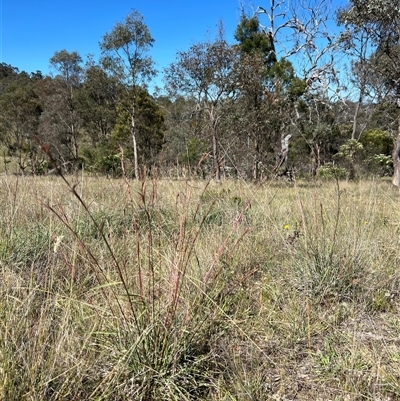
x=112, y=289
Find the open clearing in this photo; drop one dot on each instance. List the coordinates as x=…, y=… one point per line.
x=175, y=290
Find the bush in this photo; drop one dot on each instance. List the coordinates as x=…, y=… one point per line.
x=380, y=164
x=102, y=160
x=331, y=171
x=376, y=142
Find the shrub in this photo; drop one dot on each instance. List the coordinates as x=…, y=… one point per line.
x=331, y=171
x=380, y=164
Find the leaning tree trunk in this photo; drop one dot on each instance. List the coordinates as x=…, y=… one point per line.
x=396, y=158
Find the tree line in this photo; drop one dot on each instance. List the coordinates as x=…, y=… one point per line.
x=288, y=97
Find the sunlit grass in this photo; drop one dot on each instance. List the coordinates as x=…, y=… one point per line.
x=114, y=290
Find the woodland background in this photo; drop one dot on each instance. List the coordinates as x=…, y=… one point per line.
x=224, y=109
x=249, y=289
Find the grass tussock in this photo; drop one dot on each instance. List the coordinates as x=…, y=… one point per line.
x=167, y=290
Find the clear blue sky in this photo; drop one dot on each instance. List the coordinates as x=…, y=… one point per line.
x=33, y=30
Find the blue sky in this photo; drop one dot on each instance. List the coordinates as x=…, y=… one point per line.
x=33, y=30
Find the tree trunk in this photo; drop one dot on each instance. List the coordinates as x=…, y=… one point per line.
x=396, y=157
x=216, y=157
x=354, y=130
x=256, y=172
x=316, y=159
x=352, y=170
x=358, y=106
x=75, y=145
x=135, y=155
x=214, y=122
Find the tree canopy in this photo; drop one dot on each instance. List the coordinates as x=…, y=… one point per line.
x=284, y=94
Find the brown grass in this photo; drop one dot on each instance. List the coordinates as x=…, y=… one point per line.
x=114, y=290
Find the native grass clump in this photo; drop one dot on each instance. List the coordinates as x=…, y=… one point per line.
x=195, y=290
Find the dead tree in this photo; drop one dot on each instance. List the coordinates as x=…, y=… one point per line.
x=282, y=157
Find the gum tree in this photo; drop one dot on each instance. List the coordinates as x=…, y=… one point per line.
x=149, y=127
x=268, y=89
x=204, y=72
x=381, y=20
x=256, y=57
x=61, y=106
x=125, y=55
x=301, y=35
x=20, y=110
x=355, y=42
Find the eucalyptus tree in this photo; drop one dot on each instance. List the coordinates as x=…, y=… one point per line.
x=125, y=55
x=149, y=127
x=68, y=67
x=268, y=89
x=20, y=110
x=7, y=71
x=300, y=34
x=355, y=41
x=381, y=20
x=61, y=123
x=184, y=147
x=204, y=72
x=98, y=103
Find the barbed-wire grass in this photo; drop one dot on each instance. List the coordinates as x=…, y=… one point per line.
x=163, y=290
x=155, y=303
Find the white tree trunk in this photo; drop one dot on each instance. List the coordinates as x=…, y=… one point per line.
x=396, y=159
x=135, y=154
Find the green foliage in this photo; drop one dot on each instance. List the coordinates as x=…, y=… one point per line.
x=269, y=93
x=125, y=55
x=151, y=129
x=378, y=20
x=20, y=112
x=104, y=159
x=205, y=73
x=332, y=171
x=7, y=70
x=297, y=87
x=97, y=103
x=380, y=164
x=380, y=15
x=233, y=102
x=68, y=66
x=149, y=126
x=376, y=141
x=61, y=124
x=350, y=152
x=124, y=50
x=252, y=39
x=195, y=149
x=350, y=149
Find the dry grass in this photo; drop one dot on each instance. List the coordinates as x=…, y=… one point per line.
x=168, y=290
